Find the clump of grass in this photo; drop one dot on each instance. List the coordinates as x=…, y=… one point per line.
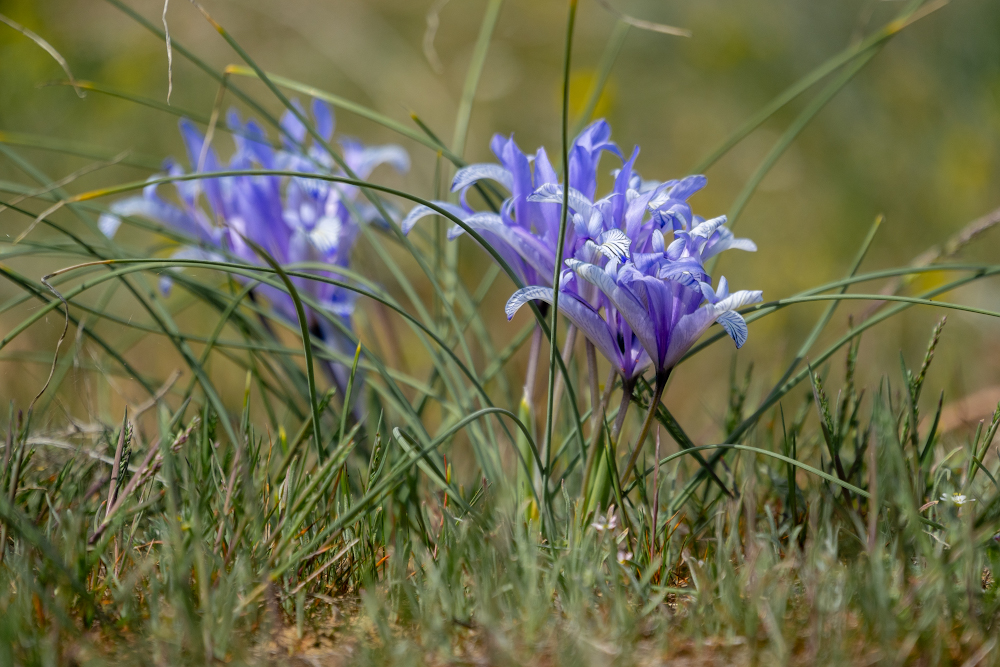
x=254, y=520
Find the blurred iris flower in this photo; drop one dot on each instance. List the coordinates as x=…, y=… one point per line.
x=296, y=219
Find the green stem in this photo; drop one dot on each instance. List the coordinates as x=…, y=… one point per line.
x=661, y=383
x=553, y=340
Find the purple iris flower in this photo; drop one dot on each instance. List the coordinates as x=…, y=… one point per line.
x=296, y=219
x=657, y=298
x=526, y=230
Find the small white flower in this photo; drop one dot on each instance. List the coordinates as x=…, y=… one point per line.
x=957, y=498
x=609, y=522
x=624, y=556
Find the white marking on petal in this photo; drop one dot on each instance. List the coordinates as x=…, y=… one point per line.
x=326, y=234
x=706, y=228
x=614, y=244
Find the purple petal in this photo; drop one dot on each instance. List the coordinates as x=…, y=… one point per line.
x=586, y=319
x=467, y=176
x=324, y=118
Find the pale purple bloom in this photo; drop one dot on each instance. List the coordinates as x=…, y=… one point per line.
x=294, y=219
x=656, y=298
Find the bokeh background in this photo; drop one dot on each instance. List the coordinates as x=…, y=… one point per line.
x=915, y=136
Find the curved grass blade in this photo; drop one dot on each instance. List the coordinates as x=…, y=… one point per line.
x=553, y=341
x=306, y=340
x=785, y=140
x=77, y=149
x=119, y=189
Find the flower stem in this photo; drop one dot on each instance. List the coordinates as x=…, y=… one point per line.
x=661, y=383
x=600, y=483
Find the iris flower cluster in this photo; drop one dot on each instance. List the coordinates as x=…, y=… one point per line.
x=634, y=281
x=296, y=220
x=632, y=275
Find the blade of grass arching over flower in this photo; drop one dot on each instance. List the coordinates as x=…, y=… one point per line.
x=162, y=318
x=372, y=195
x=560, y=245
x=128, y=187
x=253, y=272
x=912, y=12
x=472, y=76
x=828, y=313
x=300, y=312
x=156, y=330
x=789, y=135
x=615, y=43
x=384, y=300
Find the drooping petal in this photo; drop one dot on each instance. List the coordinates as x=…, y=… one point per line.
x=364, y=159
x=687, y=186
x=735, y=326
x=157, y=210
x=739, y=300
x=469, y=175
x=528, y=246
x=707, y=228
x=586, y=319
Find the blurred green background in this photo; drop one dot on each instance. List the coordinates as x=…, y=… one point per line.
x=916, y=136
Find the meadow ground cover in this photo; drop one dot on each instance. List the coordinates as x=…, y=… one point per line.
x=289, y=396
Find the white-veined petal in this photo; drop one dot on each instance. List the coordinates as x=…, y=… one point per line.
x=614, y=244
x=467, y=176
x=735, y=326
